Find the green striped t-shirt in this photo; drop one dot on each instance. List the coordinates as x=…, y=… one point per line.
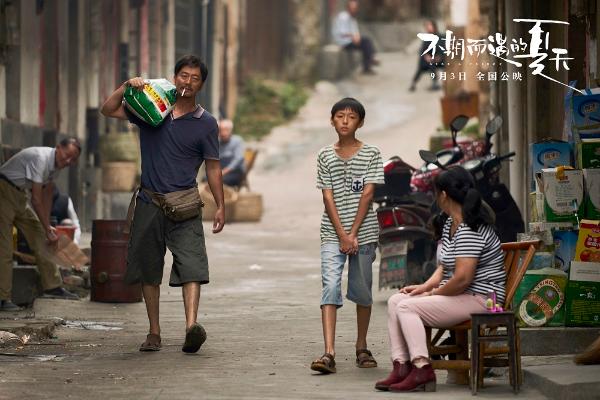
x=347, y=178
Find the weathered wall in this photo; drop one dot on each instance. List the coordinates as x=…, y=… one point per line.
x=230, y=60
x=306, y=39
x=391, y=10
x=264, y=45
x=62, y=59
x=29, y=63
x=399, y=10
x=281, y=39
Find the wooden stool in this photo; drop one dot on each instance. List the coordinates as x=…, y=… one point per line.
x=479, y=338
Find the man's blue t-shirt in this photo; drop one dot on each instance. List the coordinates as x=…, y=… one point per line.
x=173, y=152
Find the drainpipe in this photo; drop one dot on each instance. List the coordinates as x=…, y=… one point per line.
x=517, y=137
x=206, y=95
x=204, y=34
x=144, y=40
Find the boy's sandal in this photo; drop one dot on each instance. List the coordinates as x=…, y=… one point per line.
x=364, y=359
x=152, y=343
x=324, y=364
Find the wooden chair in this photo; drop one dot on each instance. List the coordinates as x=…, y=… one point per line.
x=517, y=256
x=249, y=159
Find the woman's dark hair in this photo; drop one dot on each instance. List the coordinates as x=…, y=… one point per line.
x=458, y=184
x=191, y=60
x=351, y=103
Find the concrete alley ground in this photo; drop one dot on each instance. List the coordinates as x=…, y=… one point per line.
x=261, y=309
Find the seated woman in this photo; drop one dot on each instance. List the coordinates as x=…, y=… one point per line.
x=471, y=265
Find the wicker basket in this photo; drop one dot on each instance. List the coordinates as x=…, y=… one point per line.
x=248, y=208
x=210, y=207
x=119, y=147
x=119, y=176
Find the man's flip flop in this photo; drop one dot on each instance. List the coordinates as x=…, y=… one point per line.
x=152, y=343
x=194, y=338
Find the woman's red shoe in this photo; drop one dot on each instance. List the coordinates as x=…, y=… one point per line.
x=398, y=374
x=417, y=379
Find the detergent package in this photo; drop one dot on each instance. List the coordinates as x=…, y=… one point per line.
x=563, y=194
x=592, y=193
x=586, y=110
x=548, y=154
x=565, y=243
x=583, y=294
x=588, y=153
x=588, y=242
x=153, y=103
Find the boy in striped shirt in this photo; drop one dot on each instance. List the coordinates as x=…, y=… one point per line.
x=347, y=173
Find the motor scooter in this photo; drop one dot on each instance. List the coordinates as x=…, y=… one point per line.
x=422, y=179
x=486, y=174
x=406, y=242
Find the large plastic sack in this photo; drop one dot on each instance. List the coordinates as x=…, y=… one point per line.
x=153, y=103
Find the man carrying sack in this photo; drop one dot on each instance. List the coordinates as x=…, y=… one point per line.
x=26, y=187
x=168, y=207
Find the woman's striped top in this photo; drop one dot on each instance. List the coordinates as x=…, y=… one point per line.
x=482, y=244
x=347, y=178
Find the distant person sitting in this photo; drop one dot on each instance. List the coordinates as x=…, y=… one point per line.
x=231, y=154
x=346, y=34
x=429, y=60
x=64, y=213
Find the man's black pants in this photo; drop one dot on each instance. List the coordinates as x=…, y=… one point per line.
x=367, y=49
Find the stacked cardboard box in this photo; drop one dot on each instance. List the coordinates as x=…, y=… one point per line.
x=585, y=135
x=540, y=297
x=583, y=294
x=559, y=203
x=563, y=194
x=566, y=189
x=583, y=289
x=588, y=159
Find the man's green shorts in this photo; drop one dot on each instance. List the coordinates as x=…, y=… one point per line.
x=151, y=234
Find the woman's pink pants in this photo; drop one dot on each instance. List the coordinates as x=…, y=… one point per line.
x=408, y=315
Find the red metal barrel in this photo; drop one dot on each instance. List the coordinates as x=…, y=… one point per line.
x=109, y=262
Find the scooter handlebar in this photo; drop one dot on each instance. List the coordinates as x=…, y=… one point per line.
x=506, y=156
x=494, y=162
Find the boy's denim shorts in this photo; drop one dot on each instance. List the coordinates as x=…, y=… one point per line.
x=360, y=274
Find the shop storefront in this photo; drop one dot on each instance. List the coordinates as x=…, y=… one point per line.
x=554, y=127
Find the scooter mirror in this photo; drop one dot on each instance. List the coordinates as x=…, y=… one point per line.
x=494, y=125
x=428, y=156
x=458, y=123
